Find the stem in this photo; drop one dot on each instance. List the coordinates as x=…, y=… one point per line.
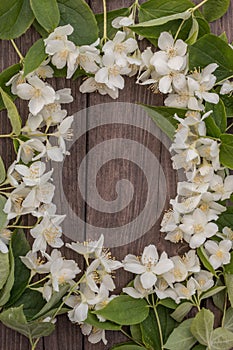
x=224, y=310
x=131, y=338
x=35, y=283
x=199, y=5
x=179, y=29
x=158, y=322
x=6, y=135
x=35, y=344
x=105, y=21
x=17, y=50
x=68, y=295
x=196, y=302
x=19, y=226
x=229, y=126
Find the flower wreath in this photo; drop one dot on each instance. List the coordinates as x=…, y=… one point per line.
x=192, y=68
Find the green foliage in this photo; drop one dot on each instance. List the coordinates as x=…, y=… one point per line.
x=181, y=311
x=164, y=118
x=228, y=103
x=93, y=321
x=226, y=150
x=204, y=259
x=46, y=13
x=20, y=247
x=15, y=18
x=110, y=17
x=4, y=268
x=215, y=9
x=34, y=57
x=12, y=112
x=2, y=171
x=78, y=14
x=136, y=333
x=5, y=292
x=128, y=346
x=5, y=76
x=226, y=219
x=202, y=326
x=194, y=31
x=210, y=49
x=229, y=285
x=221, y=339
x=32, y=302
x=3, y=216
x=212, y=291
x=228, y=320
x=181, y=338
x=125, y=310
x=14, y=318
x=216, y=123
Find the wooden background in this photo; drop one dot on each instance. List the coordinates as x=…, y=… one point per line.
x=68, y=336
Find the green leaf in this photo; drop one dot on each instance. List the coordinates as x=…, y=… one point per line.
x=169, y=303
x=228, y=320
x=211, y=292
x=204, y=259
x=164, y=118
x=211, y=49
x=78, y=14
x=163, y=20
x=2, y=171
x=181, y=311
x=226, y=150
x=220, y=298
x=34, y=57
x=221, y=339
x=150, y=332
x=15, y=18
x=46, y=13
x=224, y=37
x=55, y=299
x=32, y=302
x=12, y=112
x=15, y=319
x=3, y=216
x=5, y=292
x=43, y=33
x=20, y=247
x=5, y=76
x=109, y=326
x=228, y=103
x=215, y=9
x=123, y=12
x=166, y=321
x=202, y=326
x=136, y=333
x=4, y=268
x=225, y=219
x=228, y=268
x=216, y=123
x=199, y=347
x=181, y=338
x=229, y=285
x=127, y=346
x=193, y=34
x=125, y=310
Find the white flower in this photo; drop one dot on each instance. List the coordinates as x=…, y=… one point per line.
x=174, y=52
x=59, y=34
x=44, y=70
x=120, y=22
x=119, y=48
x=219, y=253
x=209, y=149
x=15, y=204
x=94, y=335
x=33, y=175
x=62, y=271
x=227, y=233
x=38, y=92
x=203, y=280
x=178, y=273
x=15, y=81
x=35, y=264
x=223, y=189
x=147, y=73
x=32, y=149
x=149, y=266
x=5, y=237
x=191, y=261
x=197, y=228
x=46, y=232
x=227, y=87
x=185, y=292
x=64, y=132
x=203, y=82
x=86, y=56
x=91, y=249
x=110, y=73
x=137, y=291
x=91, y=85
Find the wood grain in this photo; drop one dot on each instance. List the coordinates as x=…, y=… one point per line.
x=68, y=336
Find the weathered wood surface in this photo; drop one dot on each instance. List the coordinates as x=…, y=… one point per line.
x=68, y=336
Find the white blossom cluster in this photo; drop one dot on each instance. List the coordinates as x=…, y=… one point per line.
x=106, y=67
